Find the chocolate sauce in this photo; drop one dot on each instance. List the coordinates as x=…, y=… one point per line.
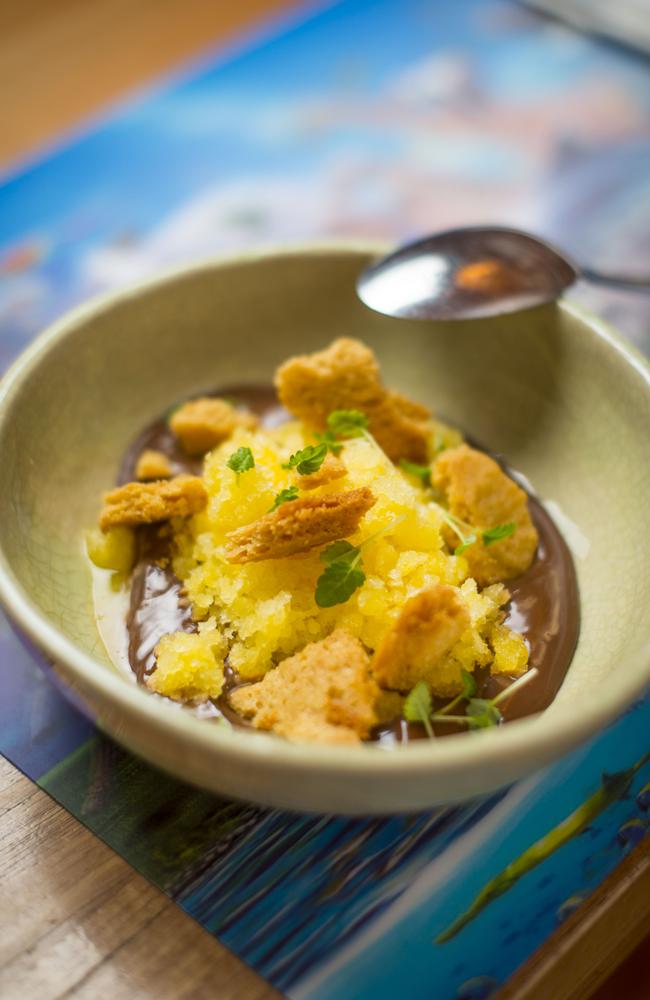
x=544, y=606
x=257, y=399
x=157, y=605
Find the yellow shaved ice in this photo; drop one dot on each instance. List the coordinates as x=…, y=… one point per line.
x=189, y=666
x=510, y=651
x=267, y=611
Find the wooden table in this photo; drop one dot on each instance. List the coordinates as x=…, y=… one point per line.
x=75, y=919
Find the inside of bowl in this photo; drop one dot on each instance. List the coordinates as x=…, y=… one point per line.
x=565, y=406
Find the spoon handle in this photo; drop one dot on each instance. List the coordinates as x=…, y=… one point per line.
x=616, y=280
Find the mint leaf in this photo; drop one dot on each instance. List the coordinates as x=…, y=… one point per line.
x=418, y=706
x=422, y=472
x=496, y=534
x=283, y=497
x=307, y=460
x=347, y=423
x=339, y=581
x=241, y=460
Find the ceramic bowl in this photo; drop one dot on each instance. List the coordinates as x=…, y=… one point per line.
x=553, y=389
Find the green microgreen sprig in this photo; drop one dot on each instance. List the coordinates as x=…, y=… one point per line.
x=308, y=460
x=328, y=438
x=352, y=424
x=481, y=713
x=347, y=423
x=488, y=537
x=241, y=461
x=342, y=576
x=421, y=472
x=344, y=569
x=468, y=536
x=418, y=706
x=284, y=496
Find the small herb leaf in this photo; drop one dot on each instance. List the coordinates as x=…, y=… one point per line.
x=482, y=713
x=339, y=581
x=347, y=423
x=465, y=544
x=283, y=497
x=418, y=706
x=337, y=551
x=308, y=459
x=496, y=534
x=469, y=684
x=329, y=439
x=422, y=472
x=241, y=460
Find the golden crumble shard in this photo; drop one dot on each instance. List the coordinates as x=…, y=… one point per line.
x=323, y=694
x=146, y=503
x=346, y=376
x=299, y=525
x=429, y=625
x=480, y=493
x=153, y=464
x=202, y=424
x=331, y=470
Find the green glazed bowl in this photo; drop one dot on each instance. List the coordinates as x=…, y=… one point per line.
x=553, y=389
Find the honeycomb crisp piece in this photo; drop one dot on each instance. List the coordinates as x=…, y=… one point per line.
x=429, y=625
x=202, y=424
x=479, y=492
x=345, y=376
x=146, y=503
x=153, y=465
x=331, y=470
x=323, y=694
x=299, y=525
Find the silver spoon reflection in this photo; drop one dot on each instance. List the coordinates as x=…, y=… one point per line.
x=473, y=272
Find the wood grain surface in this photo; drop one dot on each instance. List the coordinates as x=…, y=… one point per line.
x=75, y=919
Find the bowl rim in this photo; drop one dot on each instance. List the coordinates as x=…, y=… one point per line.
x=528, y=737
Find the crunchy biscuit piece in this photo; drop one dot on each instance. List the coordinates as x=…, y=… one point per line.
x=409, y=407
x=430, y=623
x=145, y=503
x=204, y=423
x=398, y=434
x=331, y=469
x=153, y=465
x=299, y=525
x=346, y=376
x=323, y=694
x=480, y=493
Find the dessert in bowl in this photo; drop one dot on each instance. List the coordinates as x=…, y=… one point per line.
x=277, y=686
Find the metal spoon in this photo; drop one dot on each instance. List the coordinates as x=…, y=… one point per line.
x=473, y=272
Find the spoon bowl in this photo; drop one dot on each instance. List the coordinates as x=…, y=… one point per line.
x=466, y=273
x=469, y=273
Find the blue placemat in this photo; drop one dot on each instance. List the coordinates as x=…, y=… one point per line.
x=364, y=118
